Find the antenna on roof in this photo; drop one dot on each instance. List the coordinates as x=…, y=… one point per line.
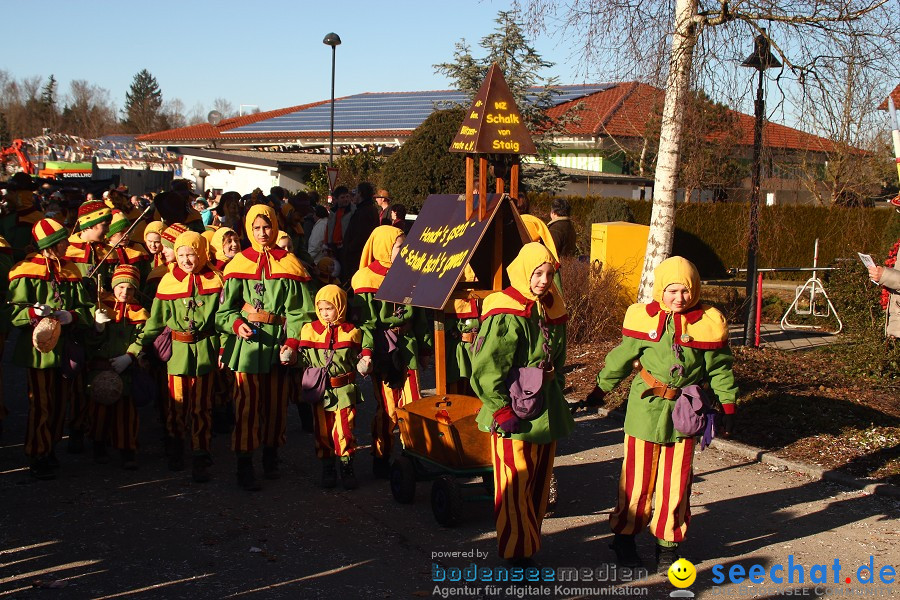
x=214, y=117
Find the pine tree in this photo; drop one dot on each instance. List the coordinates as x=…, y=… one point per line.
x=143, y=104
x=521, y=65
x=48, y=112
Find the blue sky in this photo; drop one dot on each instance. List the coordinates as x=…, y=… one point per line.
x=264, y=52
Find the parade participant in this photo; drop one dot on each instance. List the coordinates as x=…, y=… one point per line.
x=521, y=345
x=679, y=342
x=334, y=344
x=116, y=342
x=153, y=243
x=186, y=302
x=173, y=207
x=45, y=284
x=167, y=240
x=126, y=252
x=87, y=249
x=325, y=273
x=226, y=243
x=208, y=234
x=265, y=303
x=461, y=324
x=398, y=334
x=6, y=263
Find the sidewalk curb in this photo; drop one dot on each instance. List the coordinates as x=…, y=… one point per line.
x=769, y=458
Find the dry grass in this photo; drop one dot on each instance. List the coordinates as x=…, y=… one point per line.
x=595, y=302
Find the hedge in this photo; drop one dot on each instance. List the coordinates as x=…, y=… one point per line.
x=714, y=236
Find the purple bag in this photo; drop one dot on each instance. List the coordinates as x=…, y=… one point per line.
x=525, y=396
x=162, y=345
x=689, y=414
x=312, y=384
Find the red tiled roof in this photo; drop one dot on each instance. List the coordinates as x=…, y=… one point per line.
x=205, y=131
x=621, y=111
x=895, y=95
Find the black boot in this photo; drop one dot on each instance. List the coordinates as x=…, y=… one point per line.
x=175, y=453
x=40, y=469
x=245, y=476
x=329, y=473
x=129, y=460
x=101, y=457
x=381, y=467
x=200, y=468
x=626, y=551
x=270, y=462
x=347, y=476
x=76, y=442
x=665, y=558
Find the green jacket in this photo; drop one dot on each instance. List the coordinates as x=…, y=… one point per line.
x=123, y=335
x=505, y=341
x=375, y=317
x=343, y=342
x=31, y=283
x=191, y=312
x=650, y=419
x=289, y=298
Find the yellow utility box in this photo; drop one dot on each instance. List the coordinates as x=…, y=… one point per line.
x=620, y=247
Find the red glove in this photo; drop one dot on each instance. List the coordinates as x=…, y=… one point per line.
x=507, y=420
x=595, y=398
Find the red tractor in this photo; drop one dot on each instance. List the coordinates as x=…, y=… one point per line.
x=21, y=164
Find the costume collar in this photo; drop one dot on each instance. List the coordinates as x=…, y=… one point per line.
x=179, y=284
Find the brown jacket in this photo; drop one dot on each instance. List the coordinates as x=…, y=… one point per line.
x=563, y=233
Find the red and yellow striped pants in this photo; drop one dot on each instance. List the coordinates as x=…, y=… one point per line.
x=190, y=399
x=334, y=431
x=665, y=469
x=388, y=400
x=116, y=424
x=260, y=409
x=47, y=396
x=522, y=472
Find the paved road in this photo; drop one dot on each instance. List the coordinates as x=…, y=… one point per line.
x=102, y=532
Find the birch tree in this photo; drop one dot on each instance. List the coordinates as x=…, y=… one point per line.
x=658, y=40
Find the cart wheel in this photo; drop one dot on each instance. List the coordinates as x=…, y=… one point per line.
x=403, y=480
x=446, y=500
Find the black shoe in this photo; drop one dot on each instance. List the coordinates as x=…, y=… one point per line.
x=200, y=468
x=246, y=478
x=626, y=551
x=347, y=476
x=270, y=463
x=665, y=558
x=101, y=457
x=329, y=473
x=129, y=460
x=76, y=442
x=306, y=417
x=381, y=467
x=175, y=452
x=40, y=469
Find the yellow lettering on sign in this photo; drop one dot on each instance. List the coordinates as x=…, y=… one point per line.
x=500, y=105
x=475, y=115
x=502, y=119
x=503, y=132
x=466, y=130
x=501, y=145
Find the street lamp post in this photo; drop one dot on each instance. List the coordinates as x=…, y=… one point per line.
x=761, y=59
x=333, y=40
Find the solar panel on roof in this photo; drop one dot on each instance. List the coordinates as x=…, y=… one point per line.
x=388, y=110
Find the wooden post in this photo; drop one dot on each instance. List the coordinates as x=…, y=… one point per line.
x=501, y=186
x=514, y=181
x=482, y=188
x=470, y=185
x=440, y=354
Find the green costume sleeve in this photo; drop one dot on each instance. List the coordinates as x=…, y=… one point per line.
x=156, y=323
x=719, y=365
x=364, y=317
x=19, y=293
x=619, y=363
x=496, y=345
x=230, y=308
x=300, y=309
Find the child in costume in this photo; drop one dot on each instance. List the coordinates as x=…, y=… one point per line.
x=265, y=303
x=45, y=284
x=167, y=241
x=522, y=340
x=679, y=342
x=118, y=333
x=398, y=334
x=333, y=343
x=226, y=243
x=153, y=243
x=186, y=302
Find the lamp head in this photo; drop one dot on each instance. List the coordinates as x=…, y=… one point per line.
x=332, y=39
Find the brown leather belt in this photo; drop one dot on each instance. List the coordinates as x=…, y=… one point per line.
x=468, y=336
x=261, y=316
x=655, y=387
x=342, y=380
x=402, y=329
x=187, y=337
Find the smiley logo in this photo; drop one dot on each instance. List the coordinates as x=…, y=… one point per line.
x=682, y=573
